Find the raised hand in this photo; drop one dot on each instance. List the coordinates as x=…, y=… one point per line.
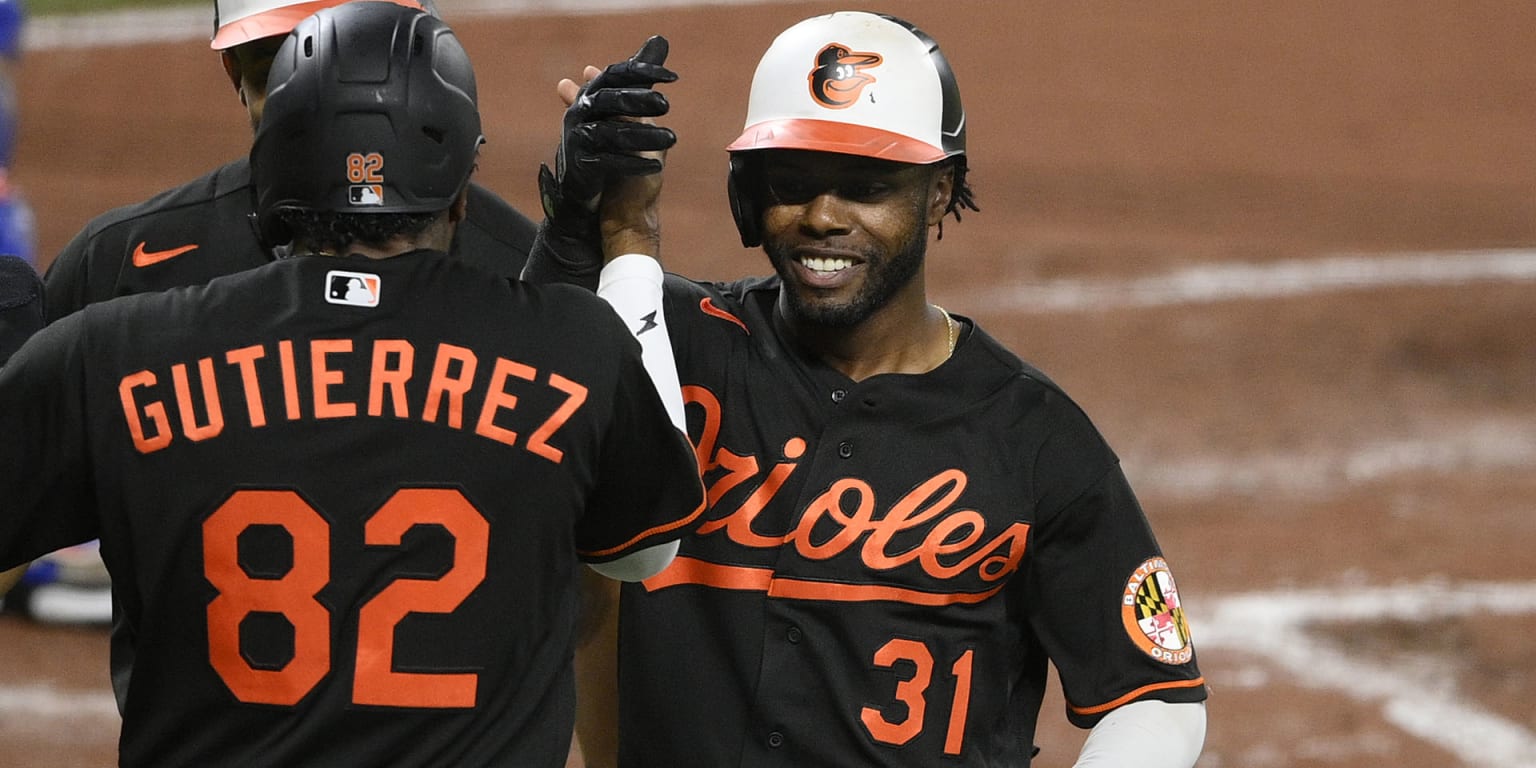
x=608, y=134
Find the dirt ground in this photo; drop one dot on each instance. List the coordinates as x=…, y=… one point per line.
x=1341, y=475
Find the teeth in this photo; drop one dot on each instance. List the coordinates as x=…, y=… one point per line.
x=827, y=265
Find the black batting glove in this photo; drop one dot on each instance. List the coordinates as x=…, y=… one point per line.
x=601, y=140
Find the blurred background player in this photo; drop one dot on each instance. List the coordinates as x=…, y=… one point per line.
x=198, y=231
x=18, y=231
x=346, y=496
x=907, y=525
x=81, y=595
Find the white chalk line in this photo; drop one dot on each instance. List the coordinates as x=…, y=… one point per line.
x=195, y=21
x=1420, y=699
x=1489, y=445
x=1210, y=283
x=42, y=701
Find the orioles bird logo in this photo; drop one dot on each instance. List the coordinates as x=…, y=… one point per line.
x=837, y=80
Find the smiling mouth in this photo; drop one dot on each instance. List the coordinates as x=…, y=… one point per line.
x=825, y=266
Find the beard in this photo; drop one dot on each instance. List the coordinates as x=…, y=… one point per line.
x=886, y=274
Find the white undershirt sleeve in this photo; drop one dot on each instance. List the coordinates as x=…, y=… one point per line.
x=1146, y=734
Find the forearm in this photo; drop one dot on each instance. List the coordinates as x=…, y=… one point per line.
x=597, y=697
x=562, y=258
x=11, y=578
x=1123, y=736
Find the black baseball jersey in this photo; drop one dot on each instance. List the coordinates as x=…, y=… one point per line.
x=343, y=503
x=884, y=568
x=200, y=230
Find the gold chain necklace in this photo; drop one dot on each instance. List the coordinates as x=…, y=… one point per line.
x=949, y=326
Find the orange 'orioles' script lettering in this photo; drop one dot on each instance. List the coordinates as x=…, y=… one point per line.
x=187, y=400
x=954, y=545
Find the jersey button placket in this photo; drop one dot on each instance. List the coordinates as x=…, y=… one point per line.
x=775, y=739
x=845, y=449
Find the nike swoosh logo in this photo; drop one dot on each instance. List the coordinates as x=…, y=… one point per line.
x=708, y=307
x=143, y=258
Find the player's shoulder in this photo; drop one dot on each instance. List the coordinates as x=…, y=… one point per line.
x=986, y=367
x=745, y=302
x=562, y=302
x=499, y=220
x=182, y=200
x=991, y=358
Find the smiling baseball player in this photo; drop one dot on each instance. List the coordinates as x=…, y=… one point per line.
x=907, y=525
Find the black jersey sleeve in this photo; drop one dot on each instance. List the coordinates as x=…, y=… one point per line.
x=68, y=275
x=44, y=487
x=648, y=488
x=493, y=236
x=1105, y=606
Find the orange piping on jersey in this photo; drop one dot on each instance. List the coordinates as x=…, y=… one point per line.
x=665, y=527
x=708, y=307
x=796, y=589
x=1138, y=693
x=687, y=570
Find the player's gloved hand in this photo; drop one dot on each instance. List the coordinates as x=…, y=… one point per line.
x=606, y=128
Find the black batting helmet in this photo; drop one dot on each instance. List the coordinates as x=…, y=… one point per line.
x=371, y=108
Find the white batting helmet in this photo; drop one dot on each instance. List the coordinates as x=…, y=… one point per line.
x=241, y=21
x=855, y=83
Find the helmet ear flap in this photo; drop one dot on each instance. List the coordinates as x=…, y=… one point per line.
x=741, y=188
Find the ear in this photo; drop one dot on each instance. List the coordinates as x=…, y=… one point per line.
x=232, y=69
x=940, y=191
x=460, y=207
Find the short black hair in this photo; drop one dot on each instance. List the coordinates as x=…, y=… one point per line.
x=331, y=232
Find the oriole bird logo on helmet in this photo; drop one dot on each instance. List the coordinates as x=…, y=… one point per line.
x=837, y=80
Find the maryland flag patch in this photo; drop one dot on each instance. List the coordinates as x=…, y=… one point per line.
x=1152, y=615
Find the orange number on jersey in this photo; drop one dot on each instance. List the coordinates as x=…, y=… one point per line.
x=961, y=707
x=367, y=168
x=376, y=683
x=910, y=693
x=293, y=596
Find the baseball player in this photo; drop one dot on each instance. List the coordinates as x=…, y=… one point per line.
x=345, y=496
x=18, y=226
x=906, y=524
x=202, y=229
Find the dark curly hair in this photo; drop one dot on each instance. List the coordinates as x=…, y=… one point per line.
x=331, y=232
x=963, y=196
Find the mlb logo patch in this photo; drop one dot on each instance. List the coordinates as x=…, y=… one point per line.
x=354, y=289
x=366, y=194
